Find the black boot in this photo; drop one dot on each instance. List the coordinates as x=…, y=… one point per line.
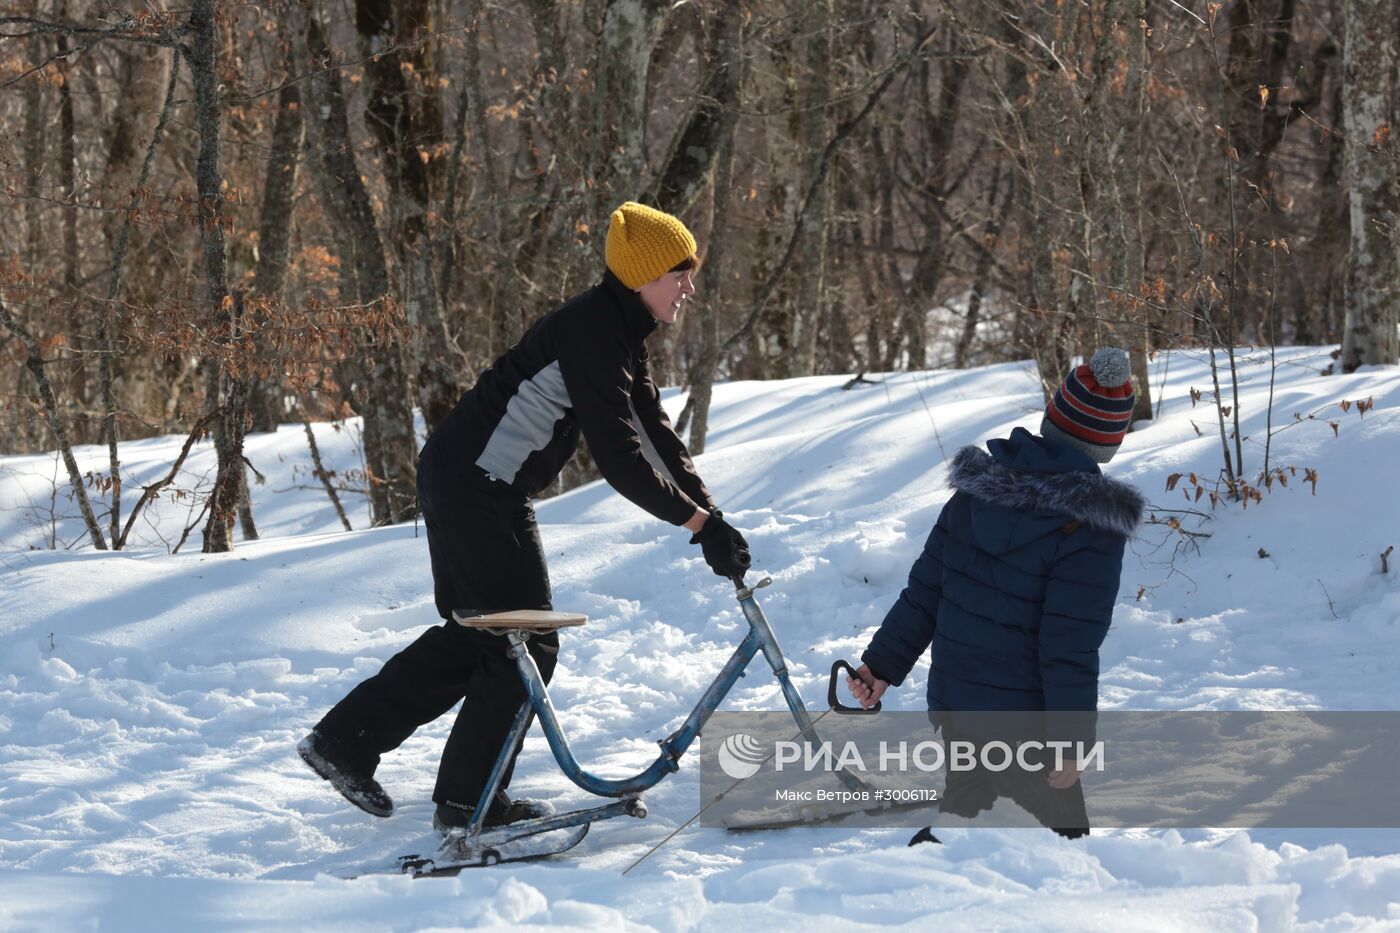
x=503, y=811
x=356, y=786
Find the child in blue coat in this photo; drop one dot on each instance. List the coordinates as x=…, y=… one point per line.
x=1015, y=588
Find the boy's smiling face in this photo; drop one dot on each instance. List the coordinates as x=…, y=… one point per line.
x=664, y=295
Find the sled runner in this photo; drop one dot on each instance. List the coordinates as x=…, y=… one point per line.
x=539, y=838
x=825, y=814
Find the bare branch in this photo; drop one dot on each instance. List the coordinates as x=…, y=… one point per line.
x=35, y=362
x=842, y=131
x=150, y=492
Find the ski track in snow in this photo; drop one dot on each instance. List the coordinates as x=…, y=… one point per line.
x=149, y=703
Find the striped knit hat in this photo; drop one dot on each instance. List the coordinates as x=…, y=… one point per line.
x=1094, y=406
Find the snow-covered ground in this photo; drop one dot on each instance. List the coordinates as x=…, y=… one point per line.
x=149, y=703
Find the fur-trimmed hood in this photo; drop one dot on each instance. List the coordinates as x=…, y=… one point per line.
x=1027, y=475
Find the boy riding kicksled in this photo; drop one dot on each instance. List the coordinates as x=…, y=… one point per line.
x=581, y=368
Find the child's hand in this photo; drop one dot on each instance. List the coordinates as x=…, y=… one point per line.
x=866, y=687
x=1064, y=778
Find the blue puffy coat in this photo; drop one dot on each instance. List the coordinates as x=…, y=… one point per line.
x=1016, y=585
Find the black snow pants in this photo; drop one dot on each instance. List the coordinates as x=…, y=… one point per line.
x=486, y=556
x=968, y=793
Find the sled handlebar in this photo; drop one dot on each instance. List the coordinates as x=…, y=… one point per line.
x=831, y=699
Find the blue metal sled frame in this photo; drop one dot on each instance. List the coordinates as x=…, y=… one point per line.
x=477, y=842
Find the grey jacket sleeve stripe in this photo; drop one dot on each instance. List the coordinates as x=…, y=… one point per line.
x=660, y=438
x=648, y=448
x=528, y=425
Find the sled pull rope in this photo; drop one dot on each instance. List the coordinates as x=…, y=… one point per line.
x=720, y=796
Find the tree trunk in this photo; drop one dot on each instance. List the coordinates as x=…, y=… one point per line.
x=883, y=263
x=274, y=241
x=1372, y=291
x=119, y=242
x=35, y=362
x=1116, y=118
x=265, y=393
x=386, y=401
x=1038, y=326
x=1320, y=319
x=1261, y=37
x=621, y=67
x=404, y=115
x=932, y=261
x=33, y=151
x=146, y=76
x=702, y=384
x=695, y=148
x=999, y=213
x=67, y=166
x=471, y=116
x=228, y=389
x=815, y=130
x=24, y=434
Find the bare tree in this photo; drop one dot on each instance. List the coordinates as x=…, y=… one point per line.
x=385, y=400
x=621, y=67
x=35, y=362
x=405, y=117
x=815, y=121
x=228, y=384
x=696, y=146
x=1373, y=267
x=265, y=393
x=1113, y=178
x=266, y=405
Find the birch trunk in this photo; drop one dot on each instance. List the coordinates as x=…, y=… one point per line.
x=622, y=66
x=1372, y=296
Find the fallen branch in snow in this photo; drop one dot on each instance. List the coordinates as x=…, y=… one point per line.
x=1330, y=606
x=321, y=473
x=150, y=492
x=1385, y=559
x=859, y=380
x=1175, y=525
x=184, y=536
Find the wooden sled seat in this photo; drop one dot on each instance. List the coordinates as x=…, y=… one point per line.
x=534, y=620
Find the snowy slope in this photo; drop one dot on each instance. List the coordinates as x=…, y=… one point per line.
x=149, y=703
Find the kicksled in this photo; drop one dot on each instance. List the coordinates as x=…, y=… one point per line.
x=477, y=845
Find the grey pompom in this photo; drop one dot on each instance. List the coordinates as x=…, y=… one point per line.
x=1111, y=367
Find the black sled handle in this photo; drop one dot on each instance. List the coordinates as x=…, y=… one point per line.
x=831, y=699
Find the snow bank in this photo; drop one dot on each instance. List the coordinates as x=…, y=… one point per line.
x=149, y=703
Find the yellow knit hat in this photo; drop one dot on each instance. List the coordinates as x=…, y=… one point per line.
x=644, y=244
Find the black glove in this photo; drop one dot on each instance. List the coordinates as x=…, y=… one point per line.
x=725, y=549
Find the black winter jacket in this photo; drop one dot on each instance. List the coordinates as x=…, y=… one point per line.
x=582, y=366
